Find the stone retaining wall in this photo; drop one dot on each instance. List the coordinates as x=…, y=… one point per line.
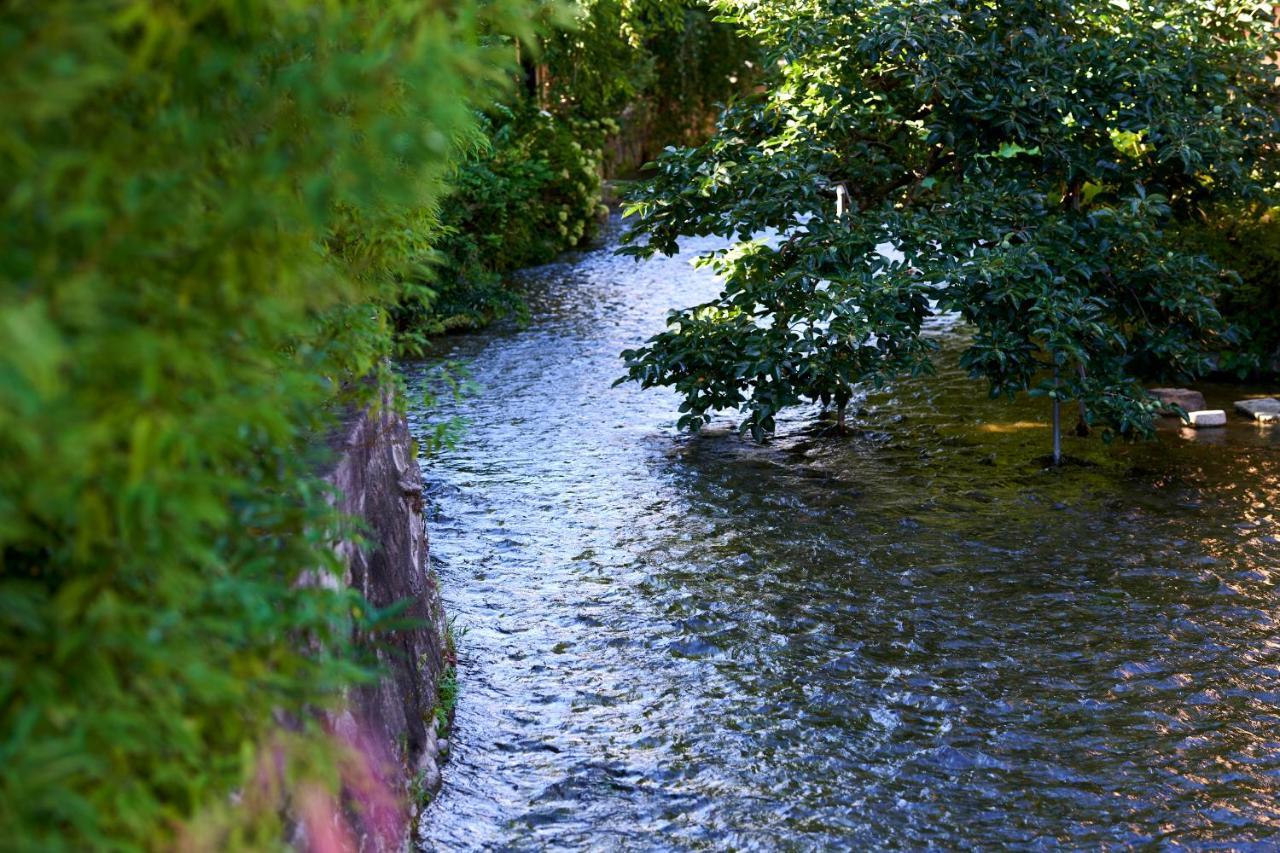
x=377, y=478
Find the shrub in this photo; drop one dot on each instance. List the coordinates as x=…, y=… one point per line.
x=528, y=193
x=207, y=206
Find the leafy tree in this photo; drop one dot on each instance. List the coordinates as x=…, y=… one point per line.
x=208, y=206
x=1025, y=158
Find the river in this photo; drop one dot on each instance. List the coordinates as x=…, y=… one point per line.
x=911, y=637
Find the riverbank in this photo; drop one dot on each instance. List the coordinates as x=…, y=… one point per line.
x=378, y=483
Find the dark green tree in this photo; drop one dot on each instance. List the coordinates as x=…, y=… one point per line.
x=1025, y=158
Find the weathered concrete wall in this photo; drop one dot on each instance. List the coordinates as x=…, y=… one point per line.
x=378, y=481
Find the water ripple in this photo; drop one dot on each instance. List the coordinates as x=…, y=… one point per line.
x=910, y=638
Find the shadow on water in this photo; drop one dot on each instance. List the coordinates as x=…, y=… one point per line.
x=912, y=636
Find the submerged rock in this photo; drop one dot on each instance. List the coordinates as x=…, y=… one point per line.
x=1190, y=400
x=1264, y=409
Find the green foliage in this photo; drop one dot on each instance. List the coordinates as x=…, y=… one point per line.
x=447, y=687
x=529, y=192
x=1027, y=160
x=1246, y=241
x=541, y=183
x=528, y=186
x=207, y=205
x=699, y=63
x=598, y=65
x=448, y=690
x=671, y=54
x=660, y=67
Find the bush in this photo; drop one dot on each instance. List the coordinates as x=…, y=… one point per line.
x=530, y=192
x=529, y=186
x=207, y=206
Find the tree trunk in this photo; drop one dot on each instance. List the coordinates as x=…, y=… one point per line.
x=1082, y=414
x=1057, y=421
x=528, y=73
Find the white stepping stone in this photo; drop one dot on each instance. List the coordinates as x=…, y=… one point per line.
x=1207, y=418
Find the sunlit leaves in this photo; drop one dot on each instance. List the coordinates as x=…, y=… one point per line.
x=207, y=207
x=1027, y=159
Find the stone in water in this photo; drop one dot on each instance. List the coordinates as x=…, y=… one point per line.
x=1264, y=410
x=1191, y=401
x=1207, y=418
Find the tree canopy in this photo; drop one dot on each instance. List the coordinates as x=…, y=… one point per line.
x=1025, y=158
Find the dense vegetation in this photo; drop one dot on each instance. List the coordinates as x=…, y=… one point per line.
x=601, y=97
x=1032, y=161
x=529, y=191
x=222, y=216
x=1244, y=238
x=209, y=206
x=220, y=219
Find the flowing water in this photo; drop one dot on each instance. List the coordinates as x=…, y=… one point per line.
x=911, y=637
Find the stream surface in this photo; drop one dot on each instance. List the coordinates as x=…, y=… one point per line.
x=911, y=637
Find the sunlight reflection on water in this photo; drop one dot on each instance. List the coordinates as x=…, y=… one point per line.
x=911, y=637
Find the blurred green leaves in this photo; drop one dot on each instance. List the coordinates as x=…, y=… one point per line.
x=208, y=207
